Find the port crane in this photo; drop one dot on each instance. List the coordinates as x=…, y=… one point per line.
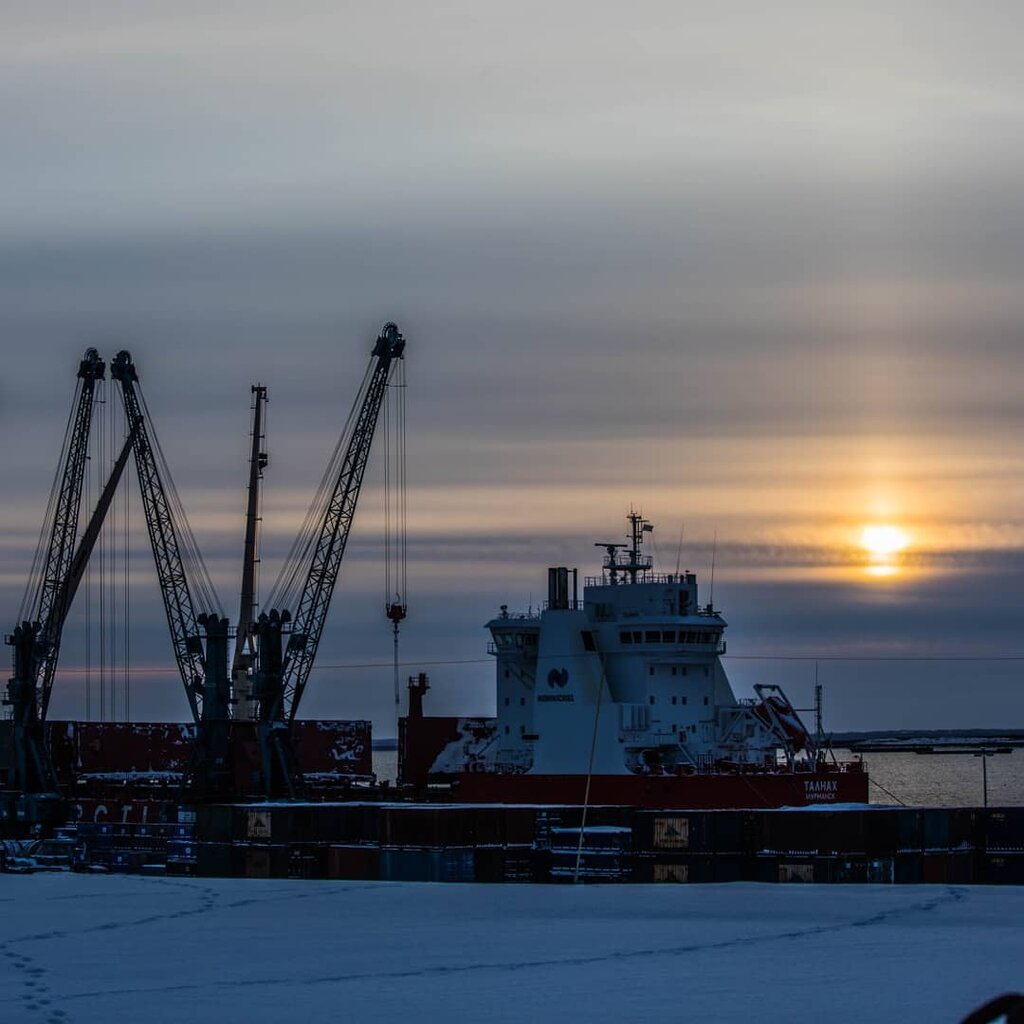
x=287, y=642
x=36, y=639
x=200, y=639
x=281, y=648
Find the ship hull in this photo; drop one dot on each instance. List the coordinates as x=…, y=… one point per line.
x=697, y=792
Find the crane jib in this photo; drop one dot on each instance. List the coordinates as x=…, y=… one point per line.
x=280, y=681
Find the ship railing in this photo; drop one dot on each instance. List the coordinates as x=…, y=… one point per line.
x=513, y=648
x=530, y=616
x=642, y=576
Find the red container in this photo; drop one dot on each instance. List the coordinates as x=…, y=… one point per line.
x=357, y=862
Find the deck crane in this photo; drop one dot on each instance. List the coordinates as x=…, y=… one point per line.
x=245, y=653
x=283, y=668
x=203, y=665
x=36, y=639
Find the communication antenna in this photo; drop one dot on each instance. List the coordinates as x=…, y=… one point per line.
x=679, y=548
x=817, y=710
x=714, y=550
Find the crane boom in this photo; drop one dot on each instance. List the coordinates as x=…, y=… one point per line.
x=174, y=588
x=76, y=571
x=243, y=658
x=36, y=641
x=282, y=674
x=53, y=603
x=311, y=613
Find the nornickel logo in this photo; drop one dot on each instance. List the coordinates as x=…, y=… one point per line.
x=558, y=677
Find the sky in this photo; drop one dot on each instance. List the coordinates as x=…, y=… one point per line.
x=755, y=271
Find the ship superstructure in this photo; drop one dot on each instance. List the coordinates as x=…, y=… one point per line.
x=629, y=680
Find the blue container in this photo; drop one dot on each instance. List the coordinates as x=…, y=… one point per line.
x=452, y=864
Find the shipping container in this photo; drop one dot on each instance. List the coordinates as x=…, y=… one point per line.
x=427, y=865
x=813, y=831
x=951, y=867
x=594, y=838
x=1003, y=868
x=948, y=828
x=790, y=868
x=354, y=862
x=677, y=868
x=520, y=825
x=220, y=860
x=908, y=868
x=1003, y=828
x=591, y=866
x=731, y=867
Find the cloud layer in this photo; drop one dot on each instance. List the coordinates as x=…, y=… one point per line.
x=755, y=271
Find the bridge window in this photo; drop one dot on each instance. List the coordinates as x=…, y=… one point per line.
x=636, y=636
x=652, y=636
x=651, y=698
x=674, y=699
x=668, y=636
x=625, y=638
x=588, y=640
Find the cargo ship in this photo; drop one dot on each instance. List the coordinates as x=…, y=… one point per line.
x=620, y=697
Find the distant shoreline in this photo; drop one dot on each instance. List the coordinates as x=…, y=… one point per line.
x=927, y=739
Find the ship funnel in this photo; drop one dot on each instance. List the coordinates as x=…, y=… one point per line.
x=558, y=588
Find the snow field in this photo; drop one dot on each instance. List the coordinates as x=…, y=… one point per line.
x=77, y=948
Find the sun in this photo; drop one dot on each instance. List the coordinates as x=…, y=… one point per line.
x=883, y=541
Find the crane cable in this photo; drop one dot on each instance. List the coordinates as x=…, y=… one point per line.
x=287, y=587
x=192, y=559
x=395, y=515
x=99, y=417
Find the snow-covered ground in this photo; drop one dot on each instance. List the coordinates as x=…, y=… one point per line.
x=119, y=948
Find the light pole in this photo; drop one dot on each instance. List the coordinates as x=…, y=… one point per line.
x=983, y=752
x=984, y=755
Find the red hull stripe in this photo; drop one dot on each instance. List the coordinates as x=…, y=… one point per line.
x=699, y=792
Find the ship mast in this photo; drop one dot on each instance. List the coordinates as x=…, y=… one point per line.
x=638, y=564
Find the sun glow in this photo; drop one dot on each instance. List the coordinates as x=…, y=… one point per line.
x=883, y=544
x=883, y=541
